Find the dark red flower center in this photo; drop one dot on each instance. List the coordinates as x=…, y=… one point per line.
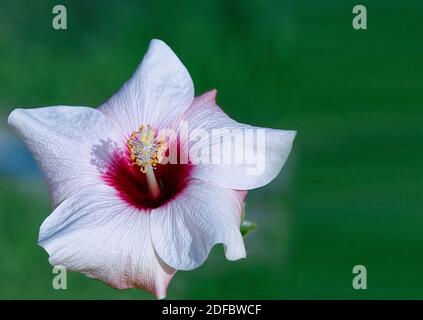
x=131, y=183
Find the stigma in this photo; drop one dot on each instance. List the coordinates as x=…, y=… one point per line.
x=146, y=151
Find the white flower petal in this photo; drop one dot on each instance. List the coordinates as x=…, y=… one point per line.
x=103, y=238
x=267, y=159
x=63, y=140
x=160, y=90
x=185, y=229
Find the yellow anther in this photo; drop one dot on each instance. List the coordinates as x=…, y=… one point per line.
x=146, y=150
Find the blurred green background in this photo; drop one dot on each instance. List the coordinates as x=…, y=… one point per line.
x=352, y=191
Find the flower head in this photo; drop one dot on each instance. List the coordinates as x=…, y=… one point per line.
x=131, y=204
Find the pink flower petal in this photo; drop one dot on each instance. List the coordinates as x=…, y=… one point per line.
x=160, y=90
x=184, y=230
x=98, y=235
x=205, y=114
x=63, y=140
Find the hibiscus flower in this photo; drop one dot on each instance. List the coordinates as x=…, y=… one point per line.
x=124, y=215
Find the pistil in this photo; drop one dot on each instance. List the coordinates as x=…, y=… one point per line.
x=146, y=151
x=153, y=186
